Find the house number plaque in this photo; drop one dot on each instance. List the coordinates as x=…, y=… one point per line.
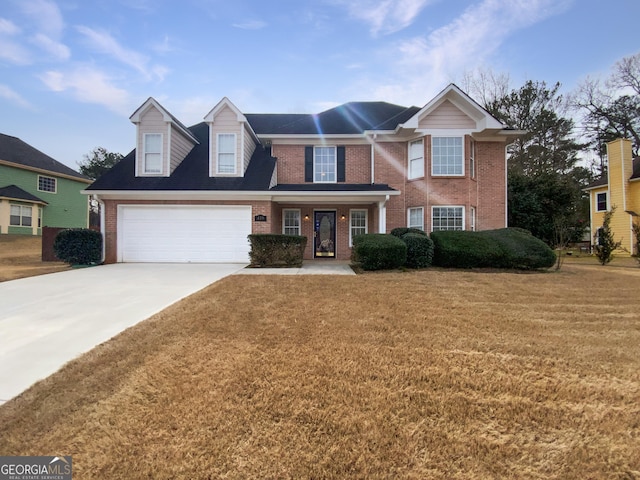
x=260, y=218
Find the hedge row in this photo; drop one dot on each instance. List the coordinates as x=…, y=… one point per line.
x=78, y=246
x=272, y=250
x=511, y=248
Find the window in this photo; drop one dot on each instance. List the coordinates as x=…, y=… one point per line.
x=152, y=153
x=416, y=159
x=472, y=159
x=291, y=222
x=226, y=153
x=447, y=158
x=324, y=164
x=601, y=202
x=357, y=224
x=447, y=218
x=46, y=184
x=415, y=218
x=472, y=219
x=20, y=216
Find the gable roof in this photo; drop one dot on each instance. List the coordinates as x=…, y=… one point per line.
x=13, y=150
x=12, y=192
x=192, y=174
x=347, y=119
x=168, y=117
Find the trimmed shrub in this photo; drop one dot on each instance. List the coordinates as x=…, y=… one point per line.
x=502, y=248
x=78, y=246
x=273, y=250
x=464, y=249
x=378, y=251
x=402, y=231
x=419, y=250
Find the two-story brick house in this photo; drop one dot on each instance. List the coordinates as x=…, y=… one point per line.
x=194, y=194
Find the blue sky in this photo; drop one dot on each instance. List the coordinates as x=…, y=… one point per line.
x=73, y=71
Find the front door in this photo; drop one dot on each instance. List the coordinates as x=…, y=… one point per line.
x=324, y=234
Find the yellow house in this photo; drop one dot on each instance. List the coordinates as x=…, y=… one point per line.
x=620, y=188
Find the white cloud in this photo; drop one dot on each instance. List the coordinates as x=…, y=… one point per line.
x=104, y=43
x=385, y=16
x=251, y=25
x=14, y=52
x=14, y=97
x=46, y=14
x=57, y=49
x=433, y=61
x=7, y=27
x=89, y=85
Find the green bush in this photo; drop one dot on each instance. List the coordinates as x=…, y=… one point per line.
x=78, y=246
x=502, y=248
x=273, y=250
x=402, y=231
x=378, y=251
x=419, y=250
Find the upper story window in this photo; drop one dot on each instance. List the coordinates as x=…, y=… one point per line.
x=416, y=159
x=601, y=202
x=46, y=184
x=152, y=153
x=472, y=159
x=447, y=218
x=291, y=222
x=325, y=166
x=226, y=162
x=415, y=218
x=446, y=156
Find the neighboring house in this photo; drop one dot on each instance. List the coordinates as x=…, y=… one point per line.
x=37, y=191
x=620, y=188
x=194, y=194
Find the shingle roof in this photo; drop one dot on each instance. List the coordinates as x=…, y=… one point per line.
x=636, y=168
x=603, y=181
x=349, y=118
x=192, y=173
x=16, y=193
x=16, y=151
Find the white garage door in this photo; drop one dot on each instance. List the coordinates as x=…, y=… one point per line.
x=181, y=234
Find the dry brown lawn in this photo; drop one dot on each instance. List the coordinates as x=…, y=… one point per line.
x=21, y=256
x=431, y=374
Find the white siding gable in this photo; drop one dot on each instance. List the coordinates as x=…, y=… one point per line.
x=447, y=115
x=151, y=122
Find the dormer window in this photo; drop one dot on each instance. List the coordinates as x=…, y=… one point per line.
x=152, y=153
x=226, y=162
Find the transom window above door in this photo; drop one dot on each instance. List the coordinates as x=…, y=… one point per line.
x=325, y=165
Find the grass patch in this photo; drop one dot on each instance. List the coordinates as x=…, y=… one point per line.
x=21, y=256
x=429, y=374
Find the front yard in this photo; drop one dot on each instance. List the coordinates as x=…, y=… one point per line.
x=21, y=256
x=432, y=374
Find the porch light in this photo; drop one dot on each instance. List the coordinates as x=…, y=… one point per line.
x=343, y=216
x=306, y=217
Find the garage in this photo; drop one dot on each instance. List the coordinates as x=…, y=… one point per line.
x=183, y=234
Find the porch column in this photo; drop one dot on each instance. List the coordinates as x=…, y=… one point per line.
x=382, y=215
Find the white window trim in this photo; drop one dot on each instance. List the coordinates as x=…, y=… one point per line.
x=21, y=216
x=235, y=153
x=366, y=223
x=464, y=223
x=335, y=164
x=472, y=219
x=146, y=171
x=606, y=194
x=410, y=159
x=461, y=137
x=299, y=219
x=472, y=158
x=421, y=227
x=55, y=184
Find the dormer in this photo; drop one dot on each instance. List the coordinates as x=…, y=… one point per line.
x=232, y=141
x=162, y=142
x=453, y=110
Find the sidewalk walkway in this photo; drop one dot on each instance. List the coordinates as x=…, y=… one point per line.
x=309, y=267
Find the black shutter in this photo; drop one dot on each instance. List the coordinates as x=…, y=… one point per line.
x=308, y=164
x=340, y=164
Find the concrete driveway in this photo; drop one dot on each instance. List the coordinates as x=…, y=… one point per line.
x=46, y=321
